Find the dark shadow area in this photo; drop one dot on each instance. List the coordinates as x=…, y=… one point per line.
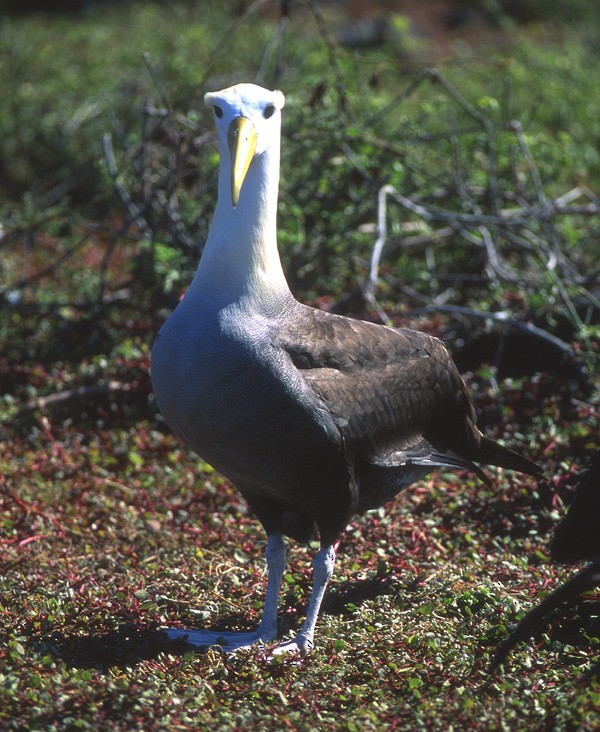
x=356, y=593
x=567, y=615
x=124, y=647
x=129, y=644
x=574, y=624
x=577, y=623
x=571, y=613
x=516, y=354
x=577, y=536
x=66, y=7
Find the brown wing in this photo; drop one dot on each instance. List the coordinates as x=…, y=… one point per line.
x=393, y=393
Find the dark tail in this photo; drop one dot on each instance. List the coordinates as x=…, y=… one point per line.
x=492, y=453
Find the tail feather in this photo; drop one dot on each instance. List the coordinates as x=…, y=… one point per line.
x=492, y=453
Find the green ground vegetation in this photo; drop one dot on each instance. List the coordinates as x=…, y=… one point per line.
x=488, y=137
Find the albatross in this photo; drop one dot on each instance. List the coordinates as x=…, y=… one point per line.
x=314, y=417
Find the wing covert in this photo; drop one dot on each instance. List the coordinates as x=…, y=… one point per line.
x=387, y=389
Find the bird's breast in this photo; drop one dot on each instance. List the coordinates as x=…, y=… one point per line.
x=237, y=400
x=204, y=373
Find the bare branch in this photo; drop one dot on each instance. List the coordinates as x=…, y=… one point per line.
x=102, y=388
x=134, y=211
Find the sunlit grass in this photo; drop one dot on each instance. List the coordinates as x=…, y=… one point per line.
x=111, y=529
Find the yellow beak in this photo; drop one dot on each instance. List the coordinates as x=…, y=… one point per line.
x=242, y=146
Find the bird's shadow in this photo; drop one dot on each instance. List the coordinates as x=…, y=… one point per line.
x=129, y=645
x=356, y=592
x=126, y=646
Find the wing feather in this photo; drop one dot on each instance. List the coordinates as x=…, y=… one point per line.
x=387, y=389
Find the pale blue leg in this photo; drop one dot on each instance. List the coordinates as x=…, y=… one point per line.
x=323, y=564
x=267, y=629
x=275, y=555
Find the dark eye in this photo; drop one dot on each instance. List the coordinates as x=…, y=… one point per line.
x=218, y=111
x=268, y=111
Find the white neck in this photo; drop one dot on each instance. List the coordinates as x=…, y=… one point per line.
x=240, y=262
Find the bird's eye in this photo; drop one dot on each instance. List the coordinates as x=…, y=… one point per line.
x=268, y=111
x=218, y=111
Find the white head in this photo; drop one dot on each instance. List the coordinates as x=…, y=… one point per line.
x=248, y=121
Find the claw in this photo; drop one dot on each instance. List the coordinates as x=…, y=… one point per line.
x=299, y=646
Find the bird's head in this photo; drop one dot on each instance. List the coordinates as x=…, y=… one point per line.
x=248, y=120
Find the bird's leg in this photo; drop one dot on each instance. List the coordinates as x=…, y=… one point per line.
x=267, y=628
x=323, y=564
x=275, y=555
